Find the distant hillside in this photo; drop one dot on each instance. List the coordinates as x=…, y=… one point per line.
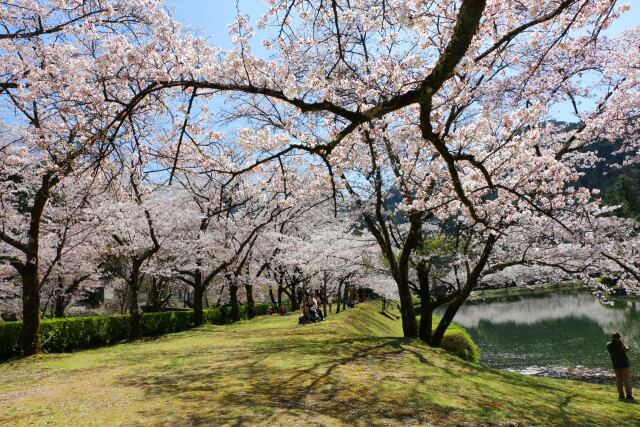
x=603, y=175
x=618, y=186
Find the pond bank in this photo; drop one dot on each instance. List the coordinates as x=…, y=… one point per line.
x=492, y=294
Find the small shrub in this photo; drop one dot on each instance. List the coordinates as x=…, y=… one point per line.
x=458, y=341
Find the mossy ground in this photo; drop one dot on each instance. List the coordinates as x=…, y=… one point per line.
x=352, y=369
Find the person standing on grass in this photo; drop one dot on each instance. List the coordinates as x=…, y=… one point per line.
x=618, y=351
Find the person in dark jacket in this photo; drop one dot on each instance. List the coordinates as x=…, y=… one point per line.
x=618, y=351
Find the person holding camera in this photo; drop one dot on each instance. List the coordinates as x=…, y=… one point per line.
x=618, y=351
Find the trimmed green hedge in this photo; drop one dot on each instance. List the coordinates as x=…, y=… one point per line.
x=10, y=333
x=72, y=333
x=154, y=324
x=66, y=334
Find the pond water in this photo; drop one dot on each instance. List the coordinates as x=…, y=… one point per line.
x=550, y=330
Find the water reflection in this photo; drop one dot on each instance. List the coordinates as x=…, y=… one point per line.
x=558, y=329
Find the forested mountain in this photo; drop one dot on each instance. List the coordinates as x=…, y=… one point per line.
x=618, y=185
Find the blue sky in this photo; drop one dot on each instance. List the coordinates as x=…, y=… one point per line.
x=212, y=17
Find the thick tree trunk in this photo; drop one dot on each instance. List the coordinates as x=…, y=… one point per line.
x=345, y=296
x=198, y=304
x=156, y=296
x=59, y=306
x=280, y=295
x=293, y=297
x=409, y=326
x=29, y=272
x=198, y=300
x=134, y=308
x=235, y=306
x=472, y=281
x=136, y=315
x=251, y=305
x=324, y=297
x=339, y=298
x=30, y=308
x=426, y=308
x=271, y=297
x=446, y=320
x=426, y=323
x=295, y=301
x=64, y=296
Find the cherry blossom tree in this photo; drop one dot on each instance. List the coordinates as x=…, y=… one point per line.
x=286, y=250
x=341, y=256
x=67, y=250
x=136, y=219
x=65, y=94
x=219, y=225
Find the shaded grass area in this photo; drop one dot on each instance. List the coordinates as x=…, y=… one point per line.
x=352, y=369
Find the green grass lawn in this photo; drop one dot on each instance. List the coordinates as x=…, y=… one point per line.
x=350, y=370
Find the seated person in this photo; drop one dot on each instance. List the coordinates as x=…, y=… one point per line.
x=304, y=314
x=313, y=304
x=283, y=310
x=315, y=314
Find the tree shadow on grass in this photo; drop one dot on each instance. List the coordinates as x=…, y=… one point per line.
x=309, y=378
x=254, y=392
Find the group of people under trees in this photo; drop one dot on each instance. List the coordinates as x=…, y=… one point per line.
x=281, y=309
x=310, y=311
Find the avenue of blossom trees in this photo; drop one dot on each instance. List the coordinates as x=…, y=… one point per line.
x=408, y=147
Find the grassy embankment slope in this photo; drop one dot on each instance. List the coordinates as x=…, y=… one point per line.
x=351, y=369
